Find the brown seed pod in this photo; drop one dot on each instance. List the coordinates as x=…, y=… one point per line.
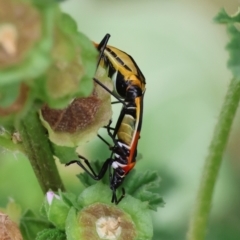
x=80, y=121
x=8, y=229
x=77, y=116
x=101, y=221
x=20, y=28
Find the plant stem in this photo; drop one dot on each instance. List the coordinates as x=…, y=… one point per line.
x=198, y=223
x=39, y=152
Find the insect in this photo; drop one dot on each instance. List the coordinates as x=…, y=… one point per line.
x=129, y=84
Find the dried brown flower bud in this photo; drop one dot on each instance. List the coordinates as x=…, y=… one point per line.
x=81, y=120
x=100, y=221
x=77, y=116
x=8, y=229
x=20, y=28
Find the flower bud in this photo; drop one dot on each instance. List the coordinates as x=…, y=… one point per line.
x=56, y=209
x=50, y=195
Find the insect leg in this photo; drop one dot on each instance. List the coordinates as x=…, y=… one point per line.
x=114, y=95
x=114, y=196
x=91, y=172
x=115, y=102
x=105, y=141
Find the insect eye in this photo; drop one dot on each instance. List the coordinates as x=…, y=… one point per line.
x=119, y=84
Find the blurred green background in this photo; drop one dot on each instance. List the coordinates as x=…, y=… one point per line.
x=181, y=52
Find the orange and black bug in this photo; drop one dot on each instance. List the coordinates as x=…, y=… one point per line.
x=129, y=84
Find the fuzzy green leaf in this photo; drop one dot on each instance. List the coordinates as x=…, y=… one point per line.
x=64, y=154
x=234, y=50
x=69, y=198
x=89, y=57
x=145, y=187
x=8, y=94
x=87, y=180
x=30, y=225
x=57, y=213
x=51, y=234
x=72, y=228
x=13, y=210
x=68, y=24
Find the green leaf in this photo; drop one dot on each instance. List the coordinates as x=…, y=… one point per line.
x=9, y=94
x=68, y=24
x=89, y=57
x=51, y=234
x=87, y=180
x=72, y=228
x=64, y=154
x=69, y=198
x=63, y=201
x=234, y=50
x=13, y=210
x=57, y=213
x=98, y=192
x=233, y=46
x=30, y=225
x=145, y=187
x=223, y=17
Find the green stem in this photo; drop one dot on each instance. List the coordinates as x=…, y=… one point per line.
x=39, y=152
x=198, y=223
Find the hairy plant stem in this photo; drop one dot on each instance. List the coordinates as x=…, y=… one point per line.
x=198, y=223
x=39, y=152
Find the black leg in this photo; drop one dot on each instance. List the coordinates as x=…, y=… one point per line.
x=109, y=131
x=114, y=196
x=111, y=128
x=115, y=102
x=114, y=95
x=91, y=172
x=109, y=145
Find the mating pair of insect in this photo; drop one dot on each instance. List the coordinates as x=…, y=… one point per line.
x=129, y=84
